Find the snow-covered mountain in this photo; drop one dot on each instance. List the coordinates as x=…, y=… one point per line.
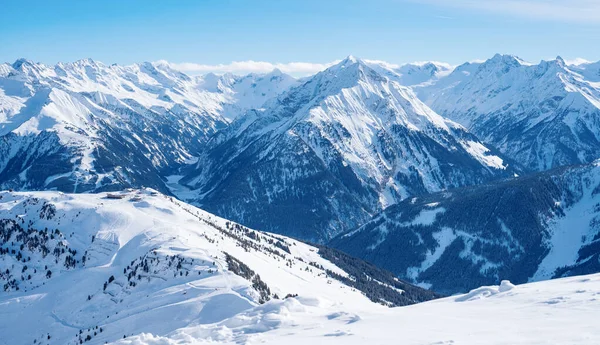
x=86, y=126
x=415, y=74
x=96, y=268
x=542, y=116
x=531, y=228
x=325, y=155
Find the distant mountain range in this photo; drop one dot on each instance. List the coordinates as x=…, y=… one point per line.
x=86, y=126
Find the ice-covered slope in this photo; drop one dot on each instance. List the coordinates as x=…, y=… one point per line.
x=531, y=228
x=542, y=116
x=94, y=268
x=558, y=312
x=325, y=155
x=87, y=126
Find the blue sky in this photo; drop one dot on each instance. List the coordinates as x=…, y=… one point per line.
x=213, y=32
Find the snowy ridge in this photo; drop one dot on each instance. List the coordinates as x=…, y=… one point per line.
x=364, y=139
x=160, y=275
x=419, y=73
x=97, y=267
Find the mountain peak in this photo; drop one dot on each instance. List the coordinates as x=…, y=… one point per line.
x=502, y=63
x=351, y=58
x=85, y=61
x=430, y=66
x=19, y=63
x=556, y=64
x=275, y=72
x=210, y=76
x=349, y=61
x=279, y=75
x=506, y=59
x=347, y=73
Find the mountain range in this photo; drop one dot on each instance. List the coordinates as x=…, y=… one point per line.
x=450, y=177
x=86, y=126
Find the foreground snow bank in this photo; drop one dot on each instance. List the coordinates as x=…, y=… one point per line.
x=560, y=311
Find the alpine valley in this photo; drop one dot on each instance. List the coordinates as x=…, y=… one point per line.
x=129, y=196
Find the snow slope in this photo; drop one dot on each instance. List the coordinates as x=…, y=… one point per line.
x=541, y=115
x=327, y=154
x=557, y=312
x=104, y=266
